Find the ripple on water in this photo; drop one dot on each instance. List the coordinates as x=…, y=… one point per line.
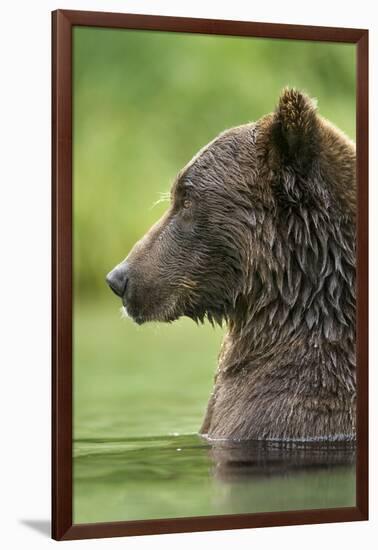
x=186, y=475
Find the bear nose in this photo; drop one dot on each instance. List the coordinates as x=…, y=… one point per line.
x=117, y=279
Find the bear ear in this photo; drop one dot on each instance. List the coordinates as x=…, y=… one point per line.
x=296, y=128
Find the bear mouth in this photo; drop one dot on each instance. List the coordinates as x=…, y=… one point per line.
x=139, y=319
x=125, y=314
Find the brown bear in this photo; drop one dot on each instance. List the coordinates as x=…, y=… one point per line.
x=260, y=234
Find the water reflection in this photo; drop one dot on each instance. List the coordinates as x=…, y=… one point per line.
x=185, y=475
x=240, y=460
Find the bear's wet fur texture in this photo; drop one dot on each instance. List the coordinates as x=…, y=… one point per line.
x=260, y=234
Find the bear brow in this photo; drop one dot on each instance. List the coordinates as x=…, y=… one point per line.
x=182, y=183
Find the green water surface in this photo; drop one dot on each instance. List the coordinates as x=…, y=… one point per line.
x=181, y=476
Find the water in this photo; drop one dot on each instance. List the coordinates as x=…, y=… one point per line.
x=171, y=476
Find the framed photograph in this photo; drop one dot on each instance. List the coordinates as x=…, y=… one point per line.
x=209, y=248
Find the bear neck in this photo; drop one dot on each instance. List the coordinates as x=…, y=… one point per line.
x=301, y=294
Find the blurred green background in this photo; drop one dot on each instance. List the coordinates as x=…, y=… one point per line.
x=144, y=103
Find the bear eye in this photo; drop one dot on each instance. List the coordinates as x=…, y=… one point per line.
x=187, y=203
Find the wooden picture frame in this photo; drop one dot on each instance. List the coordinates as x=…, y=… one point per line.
x=62, y=25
